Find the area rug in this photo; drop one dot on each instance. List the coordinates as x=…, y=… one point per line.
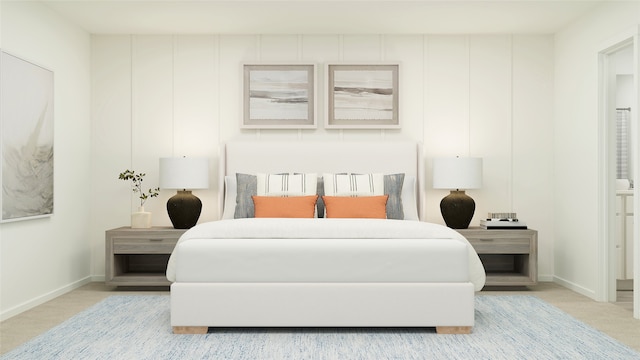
x=138, y=327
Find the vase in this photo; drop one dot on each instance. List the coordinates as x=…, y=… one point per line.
x=141, y=219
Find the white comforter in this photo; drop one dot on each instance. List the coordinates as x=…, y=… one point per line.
x=278, y=228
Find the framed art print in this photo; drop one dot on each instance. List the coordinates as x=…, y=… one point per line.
x=280, y=96
x=362, y=96
x=26, y=140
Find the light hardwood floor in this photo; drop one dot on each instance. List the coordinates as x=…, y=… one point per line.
x=613, y=319
x=625, y=299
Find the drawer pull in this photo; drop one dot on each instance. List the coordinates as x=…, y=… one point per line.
x=156, y=239
x=486, y=239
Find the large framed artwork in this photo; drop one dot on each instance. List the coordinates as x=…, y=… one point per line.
x=279, y=96
x=362, y=96
x=26, y=140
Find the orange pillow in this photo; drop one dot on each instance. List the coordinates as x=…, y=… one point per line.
x=356, y=207
x=285, y=207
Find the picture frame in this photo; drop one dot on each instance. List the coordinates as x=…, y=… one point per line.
x=362, y=96
x=26, y=139
x=279, y=96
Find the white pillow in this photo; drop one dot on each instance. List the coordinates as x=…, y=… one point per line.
x=286, y=184
x=353, y=184
x=409, y=200
x=230, y=192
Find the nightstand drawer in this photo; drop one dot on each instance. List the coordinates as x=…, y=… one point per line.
x=154, y=245
x=491, y=245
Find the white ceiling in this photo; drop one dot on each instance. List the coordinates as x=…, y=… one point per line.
x=320, y=16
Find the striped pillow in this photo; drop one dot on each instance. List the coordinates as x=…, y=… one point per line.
x=353, y=184
x=286, y=184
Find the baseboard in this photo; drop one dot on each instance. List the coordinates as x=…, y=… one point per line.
x=545, y=278
x=4, y=315
x=97, y=278
x=575, y=287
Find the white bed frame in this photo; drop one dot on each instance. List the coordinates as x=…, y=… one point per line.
x=449, y=307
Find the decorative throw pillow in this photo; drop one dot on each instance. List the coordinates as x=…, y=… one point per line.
x=286, y=184
x=393, y=187
x=353, y=184
x=320, y=203
x=285, y=207
x=230, y=192
x=409, y=198
x=356, y=207
x=246, y=187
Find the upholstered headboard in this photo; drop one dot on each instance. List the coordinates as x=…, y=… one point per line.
x=323, y=157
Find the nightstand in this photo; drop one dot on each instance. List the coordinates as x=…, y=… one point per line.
x=138, y=257
x=510, y=257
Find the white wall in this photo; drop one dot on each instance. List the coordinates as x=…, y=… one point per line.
x=478, y=95
x=40, y=259
x=577, y=140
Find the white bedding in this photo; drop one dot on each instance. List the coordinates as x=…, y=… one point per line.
x=361, y=250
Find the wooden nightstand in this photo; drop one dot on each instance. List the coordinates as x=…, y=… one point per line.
x=138, y=257
x=510, y=257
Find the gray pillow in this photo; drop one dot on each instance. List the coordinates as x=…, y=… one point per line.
x=320, y=202
x=247, y=186
x=393, y=187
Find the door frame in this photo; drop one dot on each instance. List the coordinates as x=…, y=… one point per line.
x=606, y=287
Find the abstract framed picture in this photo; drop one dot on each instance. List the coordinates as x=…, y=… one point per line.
x=279, y=96
x=26, y=140
x=362, y=96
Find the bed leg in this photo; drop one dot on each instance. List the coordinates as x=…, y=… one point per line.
x=453, y=329
x=190, y=329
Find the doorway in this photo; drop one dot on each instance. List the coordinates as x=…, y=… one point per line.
x=622, y=70
x=619, y=100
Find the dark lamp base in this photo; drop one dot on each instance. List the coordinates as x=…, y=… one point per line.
x=184, y=209
x=457, y=209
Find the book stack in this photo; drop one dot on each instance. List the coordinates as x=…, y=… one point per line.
x=502, y=221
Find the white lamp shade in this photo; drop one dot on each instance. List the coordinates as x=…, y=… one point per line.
x=184, y=173
x=457, y=173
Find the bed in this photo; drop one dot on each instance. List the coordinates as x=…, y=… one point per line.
x=324, y=270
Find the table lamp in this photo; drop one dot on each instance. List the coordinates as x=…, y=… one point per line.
x=457, y=174
x=184, y=174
